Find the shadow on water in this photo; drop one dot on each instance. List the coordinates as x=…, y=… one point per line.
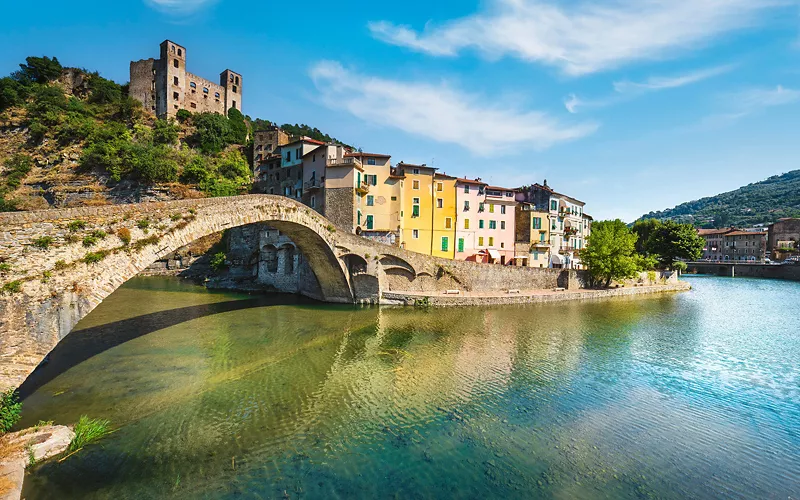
x=83, y=344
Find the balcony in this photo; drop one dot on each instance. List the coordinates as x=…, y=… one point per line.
x=314, y=184
x=363, y=188
x=343, y=162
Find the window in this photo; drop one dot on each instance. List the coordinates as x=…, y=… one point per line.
x=193, y=105
x=439, y=203
x=371, y=161
x=415, y=234
x=313, y=202
x=466, y=223
x=541, y=237
x=440, y=186
x=466, y=188
x=394, y=198
x=537, y=222
x=175, y=95
x=237, y=80
x=234, y=89
x=480, y=241
x=502, y=209
x=491, y=241
x=216, y=94
x=415, y=207
x=480, y=224
x=369, y=222
x=535, y=255
x=193, y=85
x=370, y=200
x=175, y=80
x=448, y=223
x=234, y=104
x=414, y=184
x=298, y=153
x=205, y=90
x=175, y=63
x=180, y=53
x=461, y=245
x=481, y=207
x=492, y=224
x=553, y=205
x=445, y=243
x=372, y=180
x=502, y=245
x=466, y=205
x=502, y=224
x=415, y=171
x=173, y=49
x=359, y=218
x=491, y=208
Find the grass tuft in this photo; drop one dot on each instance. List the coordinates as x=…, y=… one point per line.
x=88, y=430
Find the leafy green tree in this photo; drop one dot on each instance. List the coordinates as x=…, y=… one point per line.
x=183, y=115
x=238, y=126
x=12, y=93
x=212, y=132
x=38, y=70
x=643, y=229
x=672, y=241
x=104, y=91
x=165, y=132
x=610, y=253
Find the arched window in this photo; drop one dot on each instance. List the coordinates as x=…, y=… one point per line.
x=173, y=49
x=193, y=85
x=237, y=80
x=216, y=94
x=180, y=53
x=175, y=63
x=205, y=90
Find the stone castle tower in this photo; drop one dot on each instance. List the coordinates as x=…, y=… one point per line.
x=163, y=85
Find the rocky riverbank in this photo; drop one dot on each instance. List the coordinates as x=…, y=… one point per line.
x=19, y=450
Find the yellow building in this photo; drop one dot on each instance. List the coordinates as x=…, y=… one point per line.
x=532, y=245
x=417, y=207
x=380, y=198
x=444, y=216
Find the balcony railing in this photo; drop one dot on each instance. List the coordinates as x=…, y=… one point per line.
x=343, y=162
x=313, y=184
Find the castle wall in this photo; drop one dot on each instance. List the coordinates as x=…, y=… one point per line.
x=197, y=100
x=142, y=86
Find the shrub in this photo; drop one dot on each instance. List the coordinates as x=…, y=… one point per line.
x=175, y=217
x=165, y=132
x=124, y=235
x=16, y=168
x=46, y=276
x=104, y=91
x=99, y=234
x=213, y=132
x=88, y=430
x=43, y=242
x=680, y=266
x=143, y=224
x=183, y=115
x=60, y=265
x=10, y=409
x=152, y=240
x=11, y=287
x=12, y=93
x=76, y=225
x=89, y=241
x=218, y=261
x=94, y=257
x=4, y=267
x=38, y=70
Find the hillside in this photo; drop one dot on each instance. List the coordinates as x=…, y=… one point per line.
x=759, y=203
x=69, y=137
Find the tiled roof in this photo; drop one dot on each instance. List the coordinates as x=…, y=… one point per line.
x=374, y=155
x=464, y=180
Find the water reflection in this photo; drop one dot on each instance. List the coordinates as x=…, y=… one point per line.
x=219, y=395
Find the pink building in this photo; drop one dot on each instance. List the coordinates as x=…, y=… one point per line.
x=484, y=222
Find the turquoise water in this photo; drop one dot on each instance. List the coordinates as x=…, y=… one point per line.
x=219, y=395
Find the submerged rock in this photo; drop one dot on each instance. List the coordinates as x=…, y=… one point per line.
x=20, y=449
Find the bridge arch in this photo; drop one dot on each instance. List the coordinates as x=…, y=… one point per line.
x=65, y=262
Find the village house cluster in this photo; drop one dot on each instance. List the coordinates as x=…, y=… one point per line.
x=421, y=209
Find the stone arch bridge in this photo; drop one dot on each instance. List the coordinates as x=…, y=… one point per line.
x=58, y=265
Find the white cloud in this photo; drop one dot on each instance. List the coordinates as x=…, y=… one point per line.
x=661, y=83
x=583, y=38
x=179, y=7
x=440, y=112
x=754, y=99
x=626, y=90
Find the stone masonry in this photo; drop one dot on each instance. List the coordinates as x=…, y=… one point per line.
x=58, y=265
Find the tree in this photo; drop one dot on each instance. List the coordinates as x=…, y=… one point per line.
x=104, y=91
x=38, y=70
x=610, y=253
x=643, y=229
x=212, y=132
x=672, y=241
x=165, y=132
x=238, y=126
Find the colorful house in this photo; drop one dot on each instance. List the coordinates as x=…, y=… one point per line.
x=470, y=195
x=417, y=207
x=532, y=236
x=381, y=201
x=444, y=216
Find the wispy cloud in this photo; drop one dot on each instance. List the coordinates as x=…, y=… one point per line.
x=179, y=8
x=626, y=90
x=586, y=37
x=440, y=112
x=745, y=103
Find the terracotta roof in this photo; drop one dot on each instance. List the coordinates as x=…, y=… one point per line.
x=746, y=233
x=470, y=181
x=709, y=232
x=444, y=176
x=500, y=188
x=375, y=155
x=411, y=165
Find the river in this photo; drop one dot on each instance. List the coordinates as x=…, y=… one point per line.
x=224, y=395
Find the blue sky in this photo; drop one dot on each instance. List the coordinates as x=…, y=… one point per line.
x=629, y=105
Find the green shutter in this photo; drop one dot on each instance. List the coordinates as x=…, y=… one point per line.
x=415, y=211
x=444, y=243
x=461, y=244
x=369, y=222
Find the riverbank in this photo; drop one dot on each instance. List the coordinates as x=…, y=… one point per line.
x=19, y=450
x=462, y=299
